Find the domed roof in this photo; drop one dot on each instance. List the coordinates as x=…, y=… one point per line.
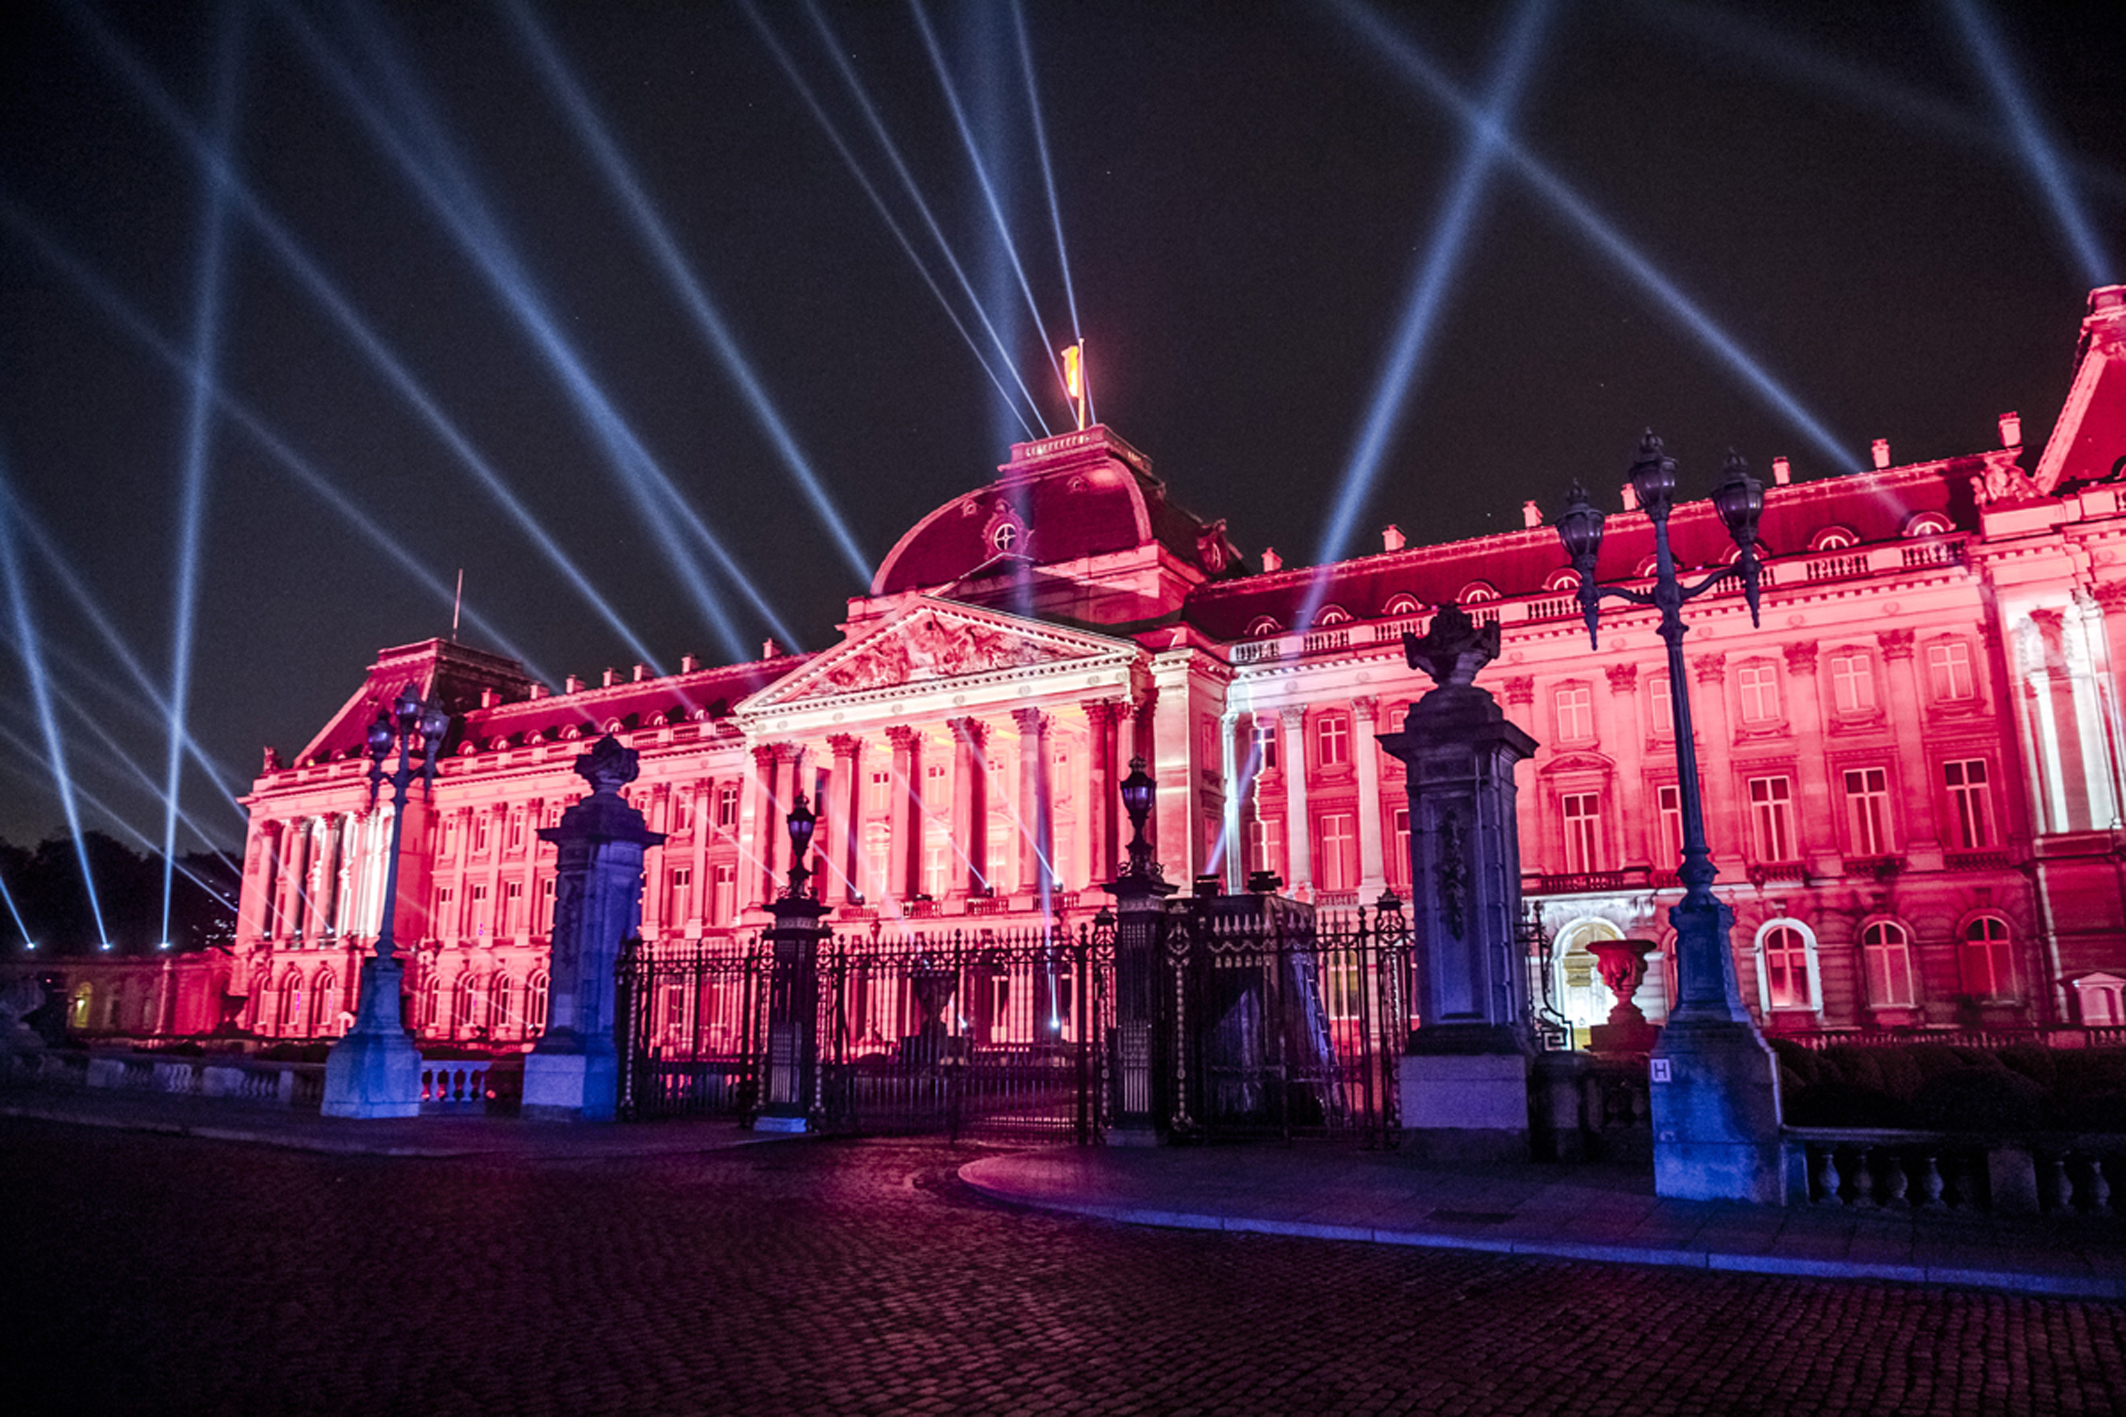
x=1062, y=499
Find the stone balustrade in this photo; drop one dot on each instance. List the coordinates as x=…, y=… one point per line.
x=456, y=1085
x=2039, y=1173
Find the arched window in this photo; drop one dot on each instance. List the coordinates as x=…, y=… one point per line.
x=84, y=1002
x=1476, y=592
x=1833, y=538
x=465, y=1006
x=114, y=1008
x=1928, y=524
x=322, y=995
x=1262, y=626
x=1987, y=969
x=1562, y=582
x=1402, y=605
x=291, y=1019
x=535, y=1005
x=1886, y=954
x=432, y=1004
x=1786, y=967
x=499, y=990
x=1332, y=615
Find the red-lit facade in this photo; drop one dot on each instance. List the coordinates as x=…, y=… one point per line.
x=1915, y=769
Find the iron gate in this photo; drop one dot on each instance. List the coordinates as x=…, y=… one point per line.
x=1286, y=1024
x=990, y=1033
x=691, y=1023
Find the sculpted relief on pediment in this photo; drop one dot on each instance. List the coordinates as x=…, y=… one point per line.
x=928, y=647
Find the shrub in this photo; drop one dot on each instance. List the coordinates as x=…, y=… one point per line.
x=1979, y=1099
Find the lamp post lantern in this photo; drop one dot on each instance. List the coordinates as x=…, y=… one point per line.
x=1715, y=1083
x=375, y=1071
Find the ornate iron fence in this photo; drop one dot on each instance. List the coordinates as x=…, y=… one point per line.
x=691, y=1024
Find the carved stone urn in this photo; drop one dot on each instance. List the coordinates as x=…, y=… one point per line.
x=1622, y=964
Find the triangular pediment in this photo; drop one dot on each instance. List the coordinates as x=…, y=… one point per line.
x=933, y=641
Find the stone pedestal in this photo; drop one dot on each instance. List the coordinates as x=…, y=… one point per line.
x=1465, y=1085
x=1466, y=1106
x=374, y=1071
x=1715, y=1088
x=573, y=1072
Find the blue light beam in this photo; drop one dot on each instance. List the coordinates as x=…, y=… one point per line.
x=31, y=650
x=445, y=184
x=120, y=313
x=1048, y=180
x=877, y=125
x=591, y=129
x=343, y=313
x=981, y=176
x=1433, y=280
x=199, y=422
x=885, y=214
x=1989, y=52
x=1413, y=65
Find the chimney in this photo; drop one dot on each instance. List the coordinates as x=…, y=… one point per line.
x=612, y=677
x=1531, y=514
x=1631, y=498
x=1782, y=472
x=489, y=698
x=538, y=691
x=1391, y=537
x=2011, y=430
x=769, y=649
x=1271, y=561
x=574, y=685
x=688, y=664
x=642, y=672
x=1881, y=450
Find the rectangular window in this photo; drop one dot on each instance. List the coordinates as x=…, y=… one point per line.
x=1852, y=684
x=1266, y=845
x=1772, y=813
x=1758, y=683
x=1668, y=802
x=1970, y=803
x=516, y=830
x=1867, y=806
x=682, y=811
x=1949, y=670
x=727, y=806
x=1338, y=858
x=725, y=904
x=1265, y=745
x=482, y=822
x=1399, y=848
x=476, y=917
x=513, y=908
x=1575, y=713
x=546, y=906
x=1660, y=706
x=679, y=905
x=1343, y=982
x=1583, y=831
x=1334, y=740
x=878, y=791
x=443, y=922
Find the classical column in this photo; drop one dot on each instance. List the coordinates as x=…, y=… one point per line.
x=970, y=808
x=1100, y=783
x=848, y=750
x=298, y=910
x=1037, y=835
x=1717, y=782
x=1365, y=754
x=905, y=856
x=574, y=1070
x=1298, y=830
x=1230, y=849
x=1640, y=831
x=1810, y=727
x=761, y=831
x=329, y=874
x=262, y=869
x=1906, y=709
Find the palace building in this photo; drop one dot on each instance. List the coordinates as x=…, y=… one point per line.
x=1914, y=769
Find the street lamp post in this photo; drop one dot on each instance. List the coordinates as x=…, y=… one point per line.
x=375, y=1071
x=790, y=1090
x=1714, y=1082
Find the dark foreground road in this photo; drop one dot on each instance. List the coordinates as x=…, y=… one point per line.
x=145, y=1273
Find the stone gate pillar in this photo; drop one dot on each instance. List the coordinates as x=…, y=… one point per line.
x=573, y=1071
x=790, y=1085
x=1465, y=1079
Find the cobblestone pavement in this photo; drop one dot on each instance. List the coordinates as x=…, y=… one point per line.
x=145, y=1273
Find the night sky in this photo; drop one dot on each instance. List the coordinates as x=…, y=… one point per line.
x=1248, y=195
